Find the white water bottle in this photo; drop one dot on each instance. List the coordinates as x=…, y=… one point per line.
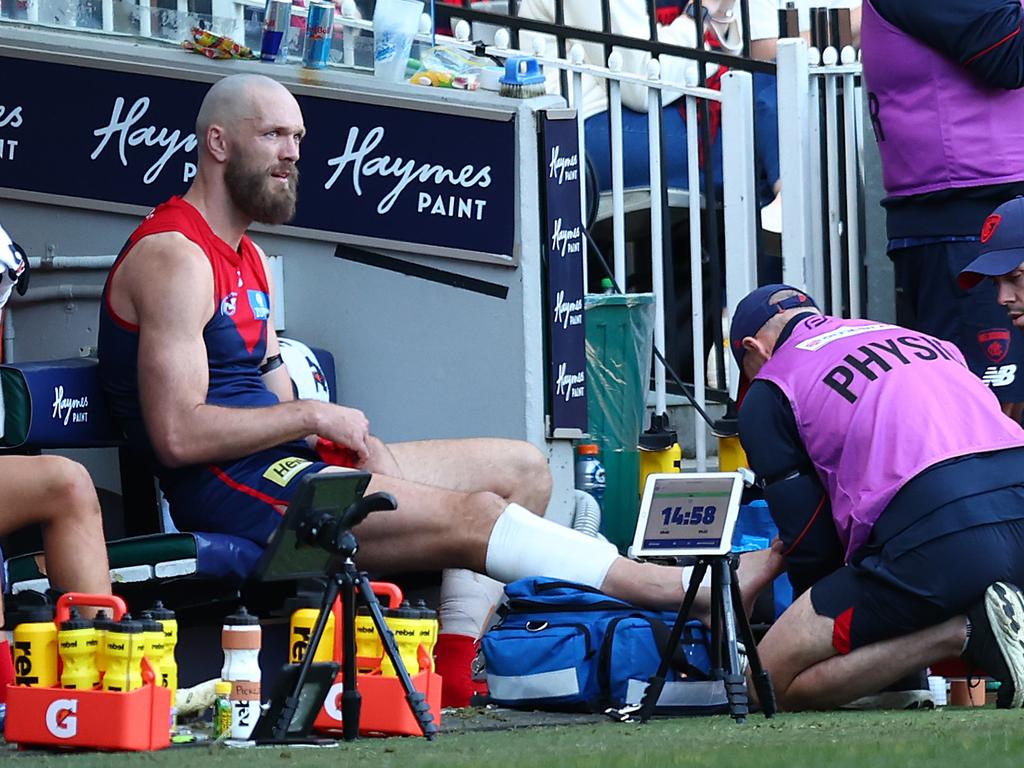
x=240, y=638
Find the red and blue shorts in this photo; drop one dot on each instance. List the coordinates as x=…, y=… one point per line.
x=245, y=497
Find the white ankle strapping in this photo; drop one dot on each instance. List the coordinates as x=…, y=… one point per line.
x=523, y=545
x=467, y=601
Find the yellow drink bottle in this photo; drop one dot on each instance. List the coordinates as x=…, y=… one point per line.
x=168, y=665
x=404, y=624
x=100, y=625
x=428, y=629
x=731, y=455
x=659, y=449
x=76, y=644
x=303, y=620
x=168, y=677
x=35, y=648
x=124, y=648
x=368, y=646
x=153, y=636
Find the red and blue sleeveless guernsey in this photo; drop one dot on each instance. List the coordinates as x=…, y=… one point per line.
x=938, y=125
x=875, y=405
x=235, y=336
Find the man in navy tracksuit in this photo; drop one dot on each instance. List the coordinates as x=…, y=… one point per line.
x=946, y=100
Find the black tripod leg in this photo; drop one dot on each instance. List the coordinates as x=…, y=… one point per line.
x=735, y=682
x=417, y=701
x=291, y=704
x=351, y=698
x=656, y=684
x=717, y=665
x=762, y=682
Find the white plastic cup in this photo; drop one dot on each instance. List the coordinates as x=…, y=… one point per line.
x=937, y=685
x=395, y=23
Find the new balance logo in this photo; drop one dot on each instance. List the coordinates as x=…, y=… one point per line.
x=1000, y=376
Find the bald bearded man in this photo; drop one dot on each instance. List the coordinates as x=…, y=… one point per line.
x=191, y=364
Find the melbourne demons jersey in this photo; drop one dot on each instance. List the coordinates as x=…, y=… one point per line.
x=875, y=405
x=235, y=336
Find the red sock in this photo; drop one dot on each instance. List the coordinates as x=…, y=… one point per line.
x=6, y=669
x=453, y=661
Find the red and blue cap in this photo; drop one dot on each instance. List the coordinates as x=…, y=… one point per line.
x=1002, y=245
x=753, y=312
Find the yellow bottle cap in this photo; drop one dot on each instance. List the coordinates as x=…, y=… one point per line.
x=222, y=688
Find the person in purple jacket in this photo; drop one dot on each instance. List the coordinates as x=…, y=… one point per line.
x=897, y=484
x=945, y=81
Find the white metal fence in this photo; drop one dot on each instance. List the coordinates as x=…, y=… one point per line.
x=821, y=129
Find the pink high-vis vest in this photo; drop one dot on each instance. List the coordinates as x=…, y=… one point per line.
x=938, y=125
x=876, y=404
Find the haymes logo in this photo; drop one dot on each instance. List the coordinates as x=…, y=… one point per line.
x=67, y=409
x=405, y=172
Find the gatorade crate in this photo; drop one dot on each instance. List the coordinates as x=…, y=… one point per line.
x=384, y=708
x=138, y=720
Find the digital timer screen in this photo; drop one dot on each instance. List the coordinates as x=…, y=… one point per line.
x=689, y=515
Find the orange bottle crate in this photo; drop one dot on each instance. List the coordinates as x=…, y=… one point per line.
x=384, y=709
x=59, y=717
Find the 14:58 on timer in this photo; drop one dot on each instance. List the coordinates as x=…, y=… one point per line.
x=698, y=515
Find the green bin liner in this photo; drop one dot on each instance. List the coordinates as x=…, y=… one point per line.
x=619, y=338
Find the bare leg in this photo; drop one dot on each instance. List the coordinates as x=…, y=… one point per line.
x=662, y=587
x=808, y=673
x=512, y=469
x=434, y=528
x=58, y=493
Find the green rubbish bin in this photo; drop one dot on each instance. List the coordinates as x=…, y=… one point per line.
x=619, y=336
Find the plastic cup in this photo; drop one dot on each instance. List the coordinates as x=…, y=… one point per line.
x=395, y=23
x=937, y=685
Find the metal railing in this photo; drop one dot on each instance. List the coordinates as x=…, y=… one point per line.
x=821, y=164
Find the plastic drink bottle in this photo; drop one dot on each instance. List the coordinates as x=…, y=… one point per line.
x=428, y=629
x=240, y=639
x=168, y=666
x=303, y=621
x=100, y=625
x=222, y=709
x=368, y=646
x=76, y=644
x=153, y=632
x=124, y=647
x=404, y=624
x=35, y=648
x=589, y=471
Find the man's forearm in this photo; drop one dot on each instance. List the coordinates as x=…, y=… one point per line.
x=801, y=510
x=211, y=433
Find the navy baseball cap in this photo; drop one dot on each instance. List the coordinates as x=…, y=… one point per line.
x=753, y=311
x=1002, y=245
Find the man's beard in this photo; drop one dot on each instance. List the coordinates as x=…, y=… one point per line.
x=258, y=195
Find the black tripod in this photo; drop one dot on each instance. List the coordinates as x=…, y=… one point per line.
x=334, y=534
x=725, y=595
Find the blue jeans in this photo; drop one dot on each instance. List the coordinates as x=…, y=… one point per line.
x=636, y=169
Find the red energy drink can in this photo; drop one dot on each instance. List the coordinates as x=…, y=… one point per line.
x=277, y=21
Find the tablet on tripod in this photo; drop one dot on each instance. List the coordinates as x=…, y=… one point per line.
x=687, y=514
x=290, y=556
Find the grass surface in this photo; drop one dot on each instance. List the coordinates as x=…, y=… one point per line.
x=985, y=738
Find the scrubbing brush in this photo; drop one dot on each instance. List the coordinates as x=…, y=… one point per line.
x=522, y=79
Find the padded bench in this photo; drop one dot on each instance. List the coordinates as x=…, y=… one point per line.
x=59, y=404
